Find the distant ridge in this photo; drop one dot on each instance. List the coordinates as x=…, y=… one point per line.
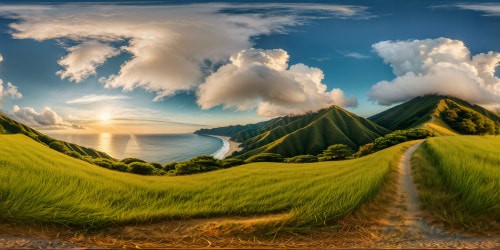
x=429, y=111
x=10, y=126
x=310, y=133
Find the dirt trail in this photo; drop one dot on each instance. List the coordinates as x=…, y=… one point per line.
x=405, y=226
x=398, y=223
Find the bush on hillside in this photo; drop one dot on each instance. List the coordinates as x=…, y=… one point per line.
x=469, y=122
x=58, y=146
x=120, y=166
x=336, y=152
x=131, y=160
x=103, y=162
x=394, y=138
x=169, y=166
x=198, y=164
x=141, y=168
x=265, y=157
x=302, y=159
x=231, y=162
x=156, y=165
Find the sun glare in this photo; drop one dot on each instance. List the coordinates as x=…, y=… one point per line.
x=104, y=117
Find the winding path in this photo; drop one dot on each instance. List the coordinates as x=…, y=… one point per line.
x=405, y=225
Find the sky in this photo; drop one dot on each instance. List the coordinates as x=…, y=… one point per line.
x=175, y=67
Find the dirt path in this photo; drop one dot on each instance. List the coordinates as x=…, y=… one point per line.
x=405, y=227
x=398, y=223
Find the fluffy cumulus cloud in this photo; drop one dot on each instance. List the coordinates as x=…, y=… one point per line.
x=171, y=46
x=83, y=59
x=47, y=118
x=262, y=79
x=437, y=66
x=9, y=89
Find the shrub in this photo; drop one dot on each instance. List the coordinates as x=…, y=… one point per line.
x=265, y=157
x=169, y=166
x=156, y=165
x=231, y=162
x=131, y=160
x=58, y=146
x=74, y=154
x=187, y=167
x=120, y=166
x=469, y=121
x=141, y=168
x=366, y=150
x=102, y=162
x=302, y=159
x=206, y=163
x=336, y=152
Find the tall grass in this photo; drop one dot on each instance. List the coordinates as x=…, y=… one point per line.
x=459, y=178
x=40, y=185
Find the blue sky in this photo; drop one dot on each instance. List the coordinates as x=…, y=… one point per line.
x=168, y=67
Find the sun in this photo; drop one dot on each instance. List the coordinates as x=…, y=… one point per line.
x=104, y=117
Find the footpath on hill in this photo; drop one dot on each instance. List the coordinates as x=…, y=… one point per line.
x=400, y=224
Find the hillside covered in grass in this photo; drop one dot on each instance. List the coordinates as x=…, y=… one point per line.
x=10, y=126
x=40, y=185
x=443, y=114
x=459, y=179
x=305, y=134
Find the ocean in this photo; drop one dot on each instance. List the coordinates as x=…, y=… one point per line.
x=161, y=148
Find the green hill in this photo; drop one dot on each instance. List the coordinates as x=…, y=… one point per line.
x=305, y=134
x=10, y=126
x=41, y=185
x=433, y=111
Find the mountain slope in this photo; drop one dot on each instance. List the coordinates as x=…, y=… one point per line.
x=10, y=126
x=430, y=111
x=42, y=186
x=305, y=134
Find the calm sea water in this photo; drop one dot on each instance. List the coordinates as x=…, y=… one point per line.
x=162, y=148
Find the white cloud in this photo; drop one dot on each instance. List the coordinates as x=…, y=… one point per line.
x=354, y=55
x=167, y=43
x=11, y=89
x=490, y=9
x=83, y=59
x=437, y=66
x=46, y=119
x=262, y=79
x=96, y=98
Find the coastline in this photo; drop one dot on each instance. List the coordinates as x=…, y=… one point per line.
x=228, y=147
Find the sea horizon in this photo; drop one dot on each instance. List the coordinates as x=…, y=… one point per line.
x=155, y=147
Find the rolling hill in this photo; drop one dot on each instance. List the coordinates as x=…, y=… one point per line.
x=10, y=126
x=40, y=185
x=304, y=134
x=432, y=111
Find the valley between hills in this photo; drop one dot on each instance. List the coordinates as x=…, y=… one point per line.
x=423, y=174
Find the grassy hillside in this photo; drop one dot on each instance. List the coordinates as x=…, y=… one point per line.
x=40, y=185
x=429, y=111
x=9, y=126
x=307, y=134
x=459, y=180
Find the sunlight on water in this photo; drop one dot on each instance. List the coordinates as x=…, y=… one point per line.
x=162, y=148
x=105, y=141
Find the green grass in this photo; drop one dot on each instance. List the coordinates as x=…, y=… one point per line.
x=40, y=185
x=459, y=180
x=313, y=133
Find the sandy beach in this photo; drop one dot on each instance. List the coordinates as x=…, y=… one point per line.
x=233, y=146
